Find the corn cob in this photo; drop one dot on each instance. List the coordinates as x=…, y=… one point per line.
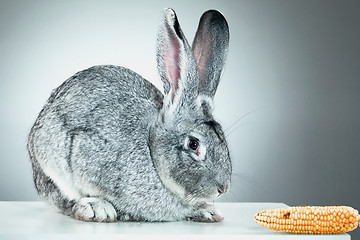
x=310, y=219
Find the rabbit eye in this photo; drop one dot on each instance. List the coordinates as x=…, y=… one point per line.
x=194, y=144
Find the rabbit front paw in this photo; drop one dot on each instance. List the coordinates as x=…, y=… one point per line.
x=91, y=209
x=208, y=214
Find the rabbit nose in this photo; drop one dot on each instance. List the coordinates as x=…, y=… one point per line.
x=223, y=188
x=220, y=191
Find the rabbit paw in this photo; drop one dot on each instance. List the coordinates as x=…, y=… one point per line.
x=207, y=214
x=93, y=209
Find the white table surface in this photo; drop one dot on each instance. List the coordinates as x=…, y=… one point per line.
x=35, y=220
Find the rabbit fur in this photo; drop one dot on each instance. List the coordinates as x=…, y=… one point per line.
x=109, y=146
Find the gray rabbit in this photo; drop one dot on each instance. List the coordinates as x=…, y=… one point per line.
x=109, y=146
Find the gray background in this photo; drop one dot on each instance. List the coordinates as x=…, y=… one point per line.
x=289, y=96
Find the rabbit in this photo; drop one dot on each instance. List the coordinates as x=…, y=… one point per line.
x=109, y=146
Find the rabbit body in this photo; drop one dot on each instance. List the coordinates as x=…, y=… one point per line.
x=86, y=125
x=108, y=146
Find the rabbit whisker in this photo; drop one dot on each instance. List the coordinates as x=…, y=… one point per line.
x=234, y=123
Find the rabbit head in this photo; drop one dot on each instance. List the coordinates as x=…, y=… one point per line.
x=187, y=145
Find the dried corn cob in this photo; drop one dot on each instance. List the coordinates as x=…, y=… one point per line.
x=310, y=219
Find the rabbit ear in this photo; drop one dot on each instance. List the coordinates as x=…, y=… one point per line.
x=210, y=48
x=175, y=61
